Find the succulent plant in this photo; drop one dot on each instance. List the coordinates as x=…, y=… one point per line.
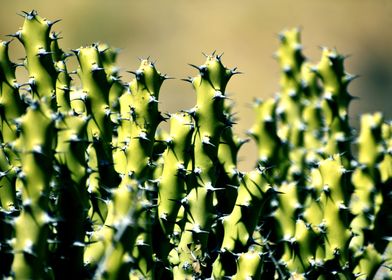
x=92, y=188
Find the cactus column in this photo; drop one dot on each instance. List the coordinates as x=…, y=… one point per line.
x=35, y=146
x=210, y=87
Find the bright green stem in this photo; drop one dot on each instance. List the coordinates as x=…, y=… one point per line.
x=113, y=252
x=171, y=187
x=366, y=199
x=11, y=104
x=11, y=108
x=96, y=86
x=272, y=151
x=32, y=225
x=328, y=212
x=249, y=266
x=96, y=89
x=139, y=118
x=210, y=87
x=336, y=100
x=35, y=38
x=108, y=57
x=289, y=107
x=229, y=175
x=240, y=224
x=312, y=115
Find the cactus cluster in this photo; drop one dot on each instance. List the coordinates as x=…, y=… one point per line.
x=92, y=188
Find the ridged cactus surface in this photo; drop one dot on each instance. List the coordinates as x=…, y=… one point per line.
x=91, y=187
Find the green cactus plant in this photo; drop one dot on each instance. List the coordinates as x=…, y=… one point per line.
x=92, y=188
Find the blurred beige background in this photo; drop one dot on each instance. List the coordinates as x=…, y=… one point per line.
x=175, y=32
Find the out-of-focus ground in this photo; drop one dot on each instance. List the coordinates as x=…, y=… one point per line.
x=176, y=32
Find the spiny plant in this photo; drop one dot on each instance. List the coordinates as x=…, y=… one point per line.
x=92, y=188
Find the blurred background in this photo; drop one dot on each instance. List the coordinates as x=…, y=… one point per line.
x=176, y=32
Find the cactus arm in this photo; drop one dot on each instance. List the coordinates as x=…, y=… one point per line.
x=144, y=117
x=35, y=38
x=136, y=135
x=290, y=59
x=32, y=225
x=240, y=224
x=139, y=110
x=118, y=237
x=228, y=173
x=248, y=266
x=312, y=115
x=368, y=198
x=11, y=108
x=96, y=87
x=336, y=100
x=171, y=186
x=271, y=149
x=210, y=86
x=102, y=175
x=109, y=56
x=11, y=104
